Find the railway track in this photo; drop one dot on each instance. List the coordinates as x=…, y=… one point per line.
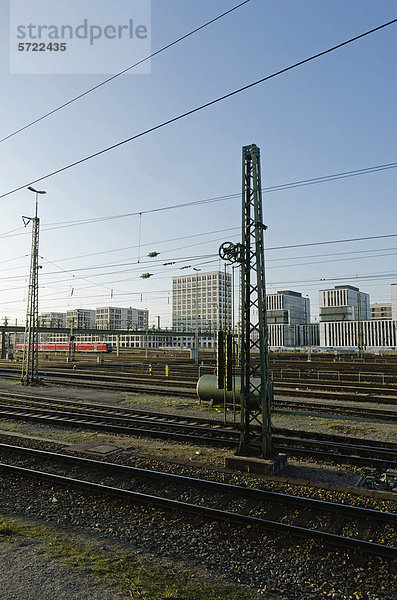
x=384, y=374
x=339, y=525
x=337, y=391
x=317, y=407
x=156, y=384
x=122, y=420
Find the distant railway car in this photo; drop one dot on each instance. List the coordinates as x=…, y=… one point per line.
x=98, y=347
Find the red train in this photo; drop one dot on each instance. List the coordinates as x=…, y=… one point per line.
x=99, y=347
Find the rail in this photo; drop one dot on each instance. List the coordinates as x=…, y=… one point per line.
x=344, y=537
x=360, y=377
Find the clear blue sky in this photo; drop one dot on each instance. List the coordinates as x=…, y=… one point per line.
x=335, y=114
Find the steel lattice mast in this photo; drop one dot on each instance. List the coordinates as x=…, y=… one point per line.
x=256, y=387
x=30, y=365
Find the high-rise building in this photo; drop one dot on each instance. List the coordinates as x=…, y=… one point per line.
x=111, y=317
x=202, y=300
x=344, y=303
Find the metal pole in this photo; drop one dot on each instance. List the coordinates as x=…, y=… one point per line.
x=256, y=386
x=30, y=365
x=224, y=301
x=255, y=399
x=360, y=333
x=196, y=360
x=196, y=342
x=309, y=347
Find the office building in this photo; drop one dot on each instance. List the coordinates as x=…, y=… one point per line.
x=288, y=319
x=287, y=308
x=80, y=318
x=376, y=334
x=202, y=300
x=343, y=303
x=394, y=301
x=110, y=317
x=380, y=311
x=379, y=331
x=52, y=319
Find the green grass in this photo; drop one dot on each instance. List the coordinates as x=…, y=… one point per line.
x=61, y=435
x=121, y=570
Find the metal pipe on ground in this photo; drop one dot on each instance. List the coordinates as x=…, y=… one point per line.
x=208, y=391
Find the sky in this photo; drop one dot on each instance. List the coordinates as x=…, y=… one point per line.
x=335, y=114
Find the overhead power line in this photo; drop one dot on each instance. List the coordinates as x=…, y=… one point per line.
x=150, y=244
x=265, y=190
x=95, y=87
x=201, y=107
x=358, y=239
x=274, y=188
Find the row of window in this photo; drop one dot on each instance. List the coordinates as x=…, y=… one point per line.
x=202, y=278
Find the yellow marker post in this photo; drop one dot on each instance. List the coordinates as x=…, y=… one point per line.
x=167, y=370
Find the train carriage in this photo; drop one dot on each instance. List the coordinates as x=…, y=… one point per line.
x=97, y=347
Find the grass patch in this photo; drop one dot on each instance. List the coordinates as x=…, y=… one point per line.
x=348, y=428
x=121, y=570
x=61, y=435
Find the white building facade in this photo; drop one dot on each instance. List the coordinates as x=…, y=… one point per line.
x=80, y=318
x=394, y=301
x=288, y=319
x=376, y=333
x=52, y=319
x=344, y=303
x=111, y=317
x=152, y=339
x=287, y=307
x=340, y=324
x=202, y=300
x=381, y=310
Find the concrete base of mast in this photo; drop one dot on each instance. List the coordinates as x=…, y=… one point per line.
x=261, y=466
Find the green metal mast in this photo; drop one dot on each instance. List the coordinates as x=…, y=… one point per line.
x=256, y=387
x=30, y=363
x=30, y=367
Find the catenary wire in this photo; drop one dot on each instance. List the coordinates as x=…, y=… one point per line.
x=342, y=241
x=275, y=188
x=109, y=79
x=155, y=263
x=302, y=283
x=280, y=187
x=201, y=107
x=152, y=244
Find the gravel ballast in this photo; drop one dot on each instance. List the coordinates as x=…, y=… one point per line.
x=273, y=566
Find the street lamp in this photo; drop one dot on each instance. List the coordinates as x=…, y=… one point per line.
x=196, y=347
x=37, y=192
